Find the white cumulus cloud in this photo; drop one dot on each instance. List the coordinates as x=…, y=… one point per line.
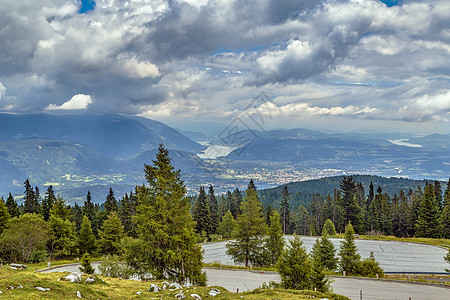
x=78, y=101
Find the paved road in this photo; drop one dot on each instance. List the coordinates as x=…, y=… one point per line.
x=392, y=256
x=350, y=287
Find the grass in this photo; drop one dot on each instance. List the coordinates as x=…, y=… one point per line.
x=15, y=284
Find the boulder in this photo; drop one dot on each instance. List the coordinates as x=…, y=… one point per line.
x=73, y=277
x=175, y=286
x=154, y=288
x=79, y=295
x=180, y=295
x=196, y=296
x=214, y=292
x=42, y=289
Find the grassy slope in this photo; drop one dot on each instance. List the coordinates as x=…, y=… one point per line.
x=113, y=288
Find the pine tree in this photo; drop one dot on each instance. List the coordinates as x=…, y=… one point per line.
x=213, y=209
x=236, y=203
x=111, y=203
x=227, y=225
x=31, y=205
x=60, y=209
x=11, y=204
x=268, y=214
x=349, y=202
x=446, y=221
x=285, y=213
x=86, y=266
x=275, y=239
x=249, y=231
x=294, y=266
x=76, y=216
x=446, y=194
x=88, y=207
x=201, y=214
x=447, y=259
x=324, y=253
x=63, y=241
x=165, y=225
x=438, y=194
x=110, y=235
x=328, y=228
x=126, y=213
x=4, y=216
x=316, y=210
x=47, y=203
x=428, y=224
x=86, y=238
x=350, y=259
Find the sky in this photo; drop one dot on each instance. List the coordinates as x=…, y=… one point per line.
x=200, y=64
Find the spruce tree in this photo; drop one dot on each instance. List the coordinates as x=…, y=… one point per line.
x=284, y=208
x=213, y=209
x=447, y=259
x=349, y=202
x=86, y=266
x=110, y=235
x=31, y=204
x=47, y=202
x=328, y=228
x=324, y=253
x=446, y=221
x=226, y=226
x=63, y=241
x=111, y=203
x=86, y=238
x=12, y=207
x=274, y=243
x=428, y=224
x=438, y=194
x=126, y=214
x=249, y=231
x=165, y=226
x=236, y=203
x=201, y=214
x=4, y=216
x=88, y=207
x=349, y=257
x=76, y=216
x=294, y=266
x=268, y=214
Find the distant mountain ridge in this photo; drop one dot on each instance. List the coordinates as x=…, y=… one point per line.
x=117, y=136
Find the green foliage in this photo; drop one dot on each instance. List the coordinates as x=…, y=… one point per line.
x=86, y=238
x=284, y=209
x=447, y=259
x=4, y=216
x=60, y=209
x=274, y=243
x=349, y=202
x=370, y=267
x=86, y=266
x=248, y=247
x=350, y=259
x=294, y=266
x=63, y=240
x=110, y=235
x=165, y=226
x=213, y=209
x=38, y=255
x=116, y=270
x=201, y=214
x=320, y=280
x=111, y=204
x=24, y=235
x=328, y=228
x=47, y=202
x=227, y=225
x=428, y=218
x=13, y=209
x=324, y=254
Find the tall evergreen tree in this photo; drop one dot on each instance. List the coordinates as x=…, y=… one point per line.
x=446, y=221
x=110, y=235
x=47, y=202
x=126, y=214
x=269, y=212
x=4, y=216
x=349, y=202
x=201, y=214
x=236, y=203
x=349, y=257
x=275, y=239
x=284, y=209
x=63, y=239
x=11, y=204
x=165, y=226
x=76, y=216
x=324, y=253
x=226, y=226
x=438, y=194
x=31, y=205
x=213, y=209
x=88, y=207
x=328, y=228
x=428, y=220
x=249, y=231
x=111, y=204
x=446, y=194
x=86, y=238
x=316, y=210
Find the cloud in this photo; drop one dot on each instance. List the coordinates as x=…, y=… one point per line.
x=140, y=69
x=2, y=90
x=79, y=101
x=427, y=107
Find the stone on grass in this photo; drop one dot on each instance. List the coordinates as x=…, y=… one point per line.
x=90, y=280
x=196, y=296
x=214, y=292
x=175, y=286
x=73, y=277
x=180, y=295
x=79, y=295
x=154, y=288
x=138, y=293
x=42, y=289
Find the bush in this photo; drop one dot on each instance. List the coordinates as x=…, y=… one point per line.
x=116, y=270
x=37, y=256
x=86, y=264
x=369, y=267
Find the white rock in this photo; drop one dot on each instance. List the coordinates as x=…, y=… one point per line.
x=1, y=292
x=188, y=285
x=73, y=277
x=180, y=295
x=196, y=296
x=154, y=288
x=20, y=287
x=90, y=280
x=175, y=286
x=42, y=289
x=214, y=292
x=138, y=293
x=79, y=295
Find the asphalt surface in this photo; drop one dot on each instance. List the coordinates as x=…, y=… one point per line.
x=244, y=280
x=392, y=256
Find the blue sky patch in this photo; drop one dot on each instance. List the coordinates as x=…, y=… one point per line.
x=390, y=3
x=87, y=5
